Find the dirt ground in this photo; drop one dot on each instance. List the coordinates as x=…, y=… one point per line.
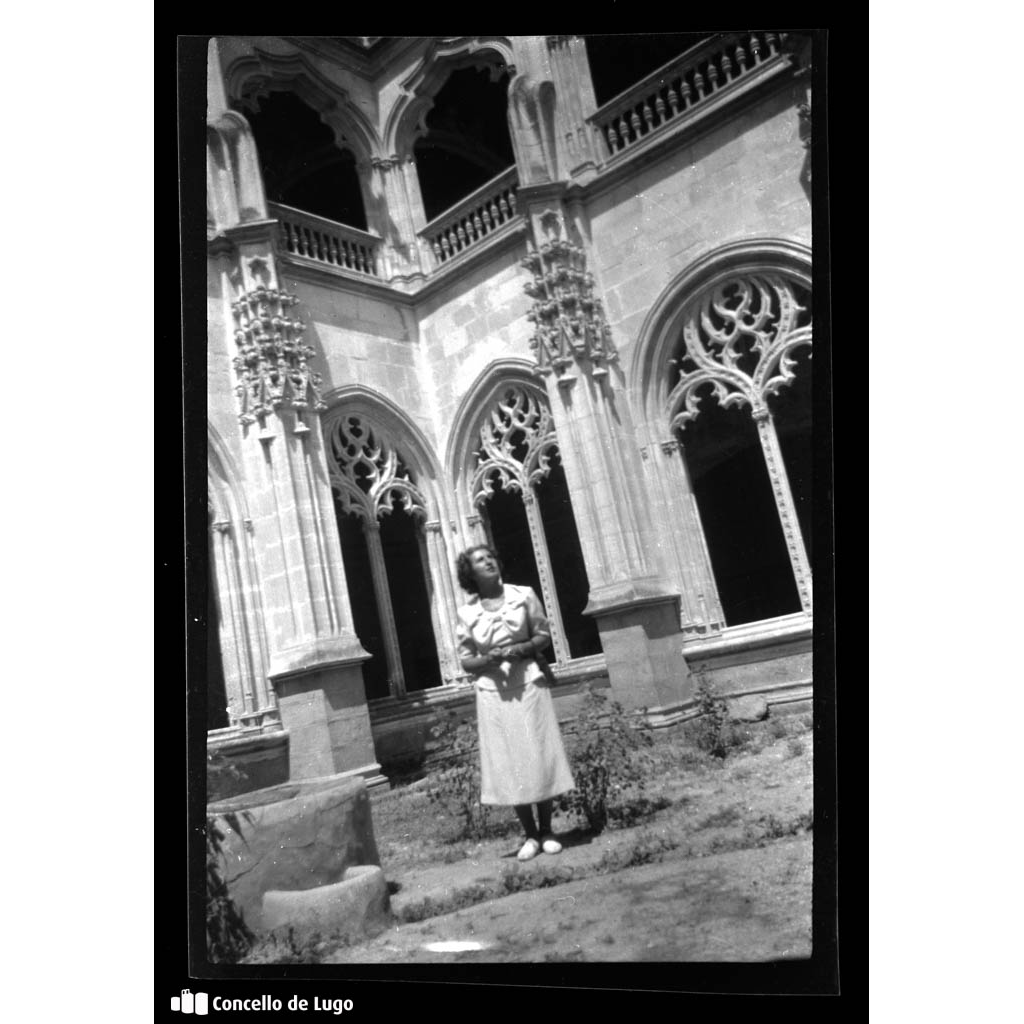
x=720, y=871
x=746, y=905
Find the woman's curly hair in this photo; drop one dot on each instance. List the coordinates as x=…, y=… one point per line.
x=464, y=567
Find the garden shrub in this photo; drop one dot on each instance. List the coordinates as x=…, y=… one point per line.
x=455, y=786
x=228, y=937
x=610, y=762
x=711, y=732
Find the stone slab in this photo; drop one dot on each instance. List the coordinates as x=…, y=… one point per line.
x=354, y=908
x=294, y=837
x=748, y=709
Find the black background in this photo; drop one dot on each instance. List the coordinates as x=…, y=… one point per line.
x=182, y=581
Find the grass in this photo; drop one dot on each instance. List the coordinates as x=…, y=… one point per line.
x=412, y=832
x=695, y=805
x=723, y=817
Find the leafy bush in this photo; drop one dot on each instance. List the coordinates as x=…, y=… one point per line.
x=610, y=761
x=711, y=731
x=283, y=947
x=228, y=937
x=455, y=787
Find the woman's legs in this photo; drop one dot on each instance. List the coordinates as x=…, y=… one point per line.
x=544, y=817
x=524, y=812
x=548, y=843
x=532, y=846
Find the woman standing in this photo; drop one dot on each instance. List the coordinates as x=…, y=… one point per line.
x=502, y=629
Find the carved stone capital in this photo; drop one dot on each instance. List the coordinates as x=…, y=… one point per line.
x=272, y=364
x=569, y=323
x=432, y=527
x=670, y=447
x=221, y=526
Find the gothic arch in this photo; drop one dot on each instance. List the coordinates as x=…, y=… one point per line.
x=226, y=500
x=503, y=457
x=250, y=77
x=731, y=321
x=464, y=437
x=406, y=122
x=424, y=496
x=356, y=399
x=243, y=641
x=648, y=378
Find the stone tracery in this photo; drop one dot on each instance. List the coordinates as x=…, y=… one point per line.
x=367, y=474
x=739, y=339
x=516, y=443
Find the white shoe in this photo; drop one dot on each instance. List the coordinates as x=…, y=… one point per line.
x=530, y=850
x=551, y=846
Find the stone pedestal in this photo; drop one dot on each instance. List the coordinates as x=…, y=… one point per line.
x=324, y=710
x=641, y=643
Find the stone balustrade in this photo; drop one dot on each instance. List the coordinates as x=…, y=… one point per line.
x=472, y=219
x=327, y=242
x=687, y=82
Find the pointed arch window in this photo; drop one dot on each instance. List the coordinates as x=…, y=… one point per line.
x=381, y=514
x=745, y=343
x=467, y=142
x=519, y=485
x=305, y=163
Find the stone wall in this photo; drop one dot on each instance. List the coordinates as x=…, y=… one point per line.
x=476, y=318
x=741, y=180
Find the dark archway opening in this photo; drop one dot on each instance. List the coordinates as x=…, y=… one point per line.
x=216, y=690
x=365, y=619
x=566, y=556
x=620, y=61
x=510, y=534
x=467, y=141
x=738, y=514
x=791, y=413
x=410, y=600
x=301, y=162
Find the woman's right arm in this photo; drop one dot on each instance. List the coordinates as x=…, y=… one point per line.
x=472, y=660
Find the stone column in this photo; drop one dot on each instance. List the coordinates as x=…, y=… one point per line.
x=315, y=656
x=798, y=47
x=437, y=564
x=395, y=211
x=682, y=540
x=636, y=606
x=382, y=592
x=251, y=702
x=574, y=91
x=547, y=585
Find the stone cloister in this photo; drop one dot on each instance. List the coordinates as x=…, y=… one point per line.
x=597, y=360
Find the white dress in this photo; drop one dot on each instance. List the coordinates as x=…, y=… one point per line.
x=522, y=758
